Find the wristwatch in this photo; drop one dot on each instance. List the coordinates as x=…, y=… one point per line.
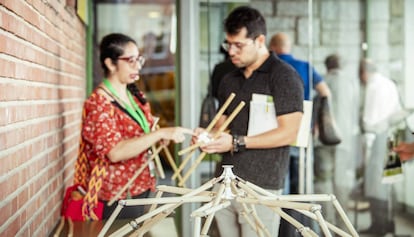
x=238, y=143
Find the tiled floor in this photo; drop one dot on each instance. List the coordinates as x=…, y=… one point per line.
x=404, y=223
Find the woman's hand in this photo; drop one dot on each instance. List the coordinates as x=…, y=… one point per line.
x=176, y=134
x=197, y=132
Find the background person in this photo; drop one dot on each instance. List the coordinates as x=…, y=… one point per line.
x=281, y=45
x=381, y=101
x=220, y=70
x=334, y=166
x=405, y=151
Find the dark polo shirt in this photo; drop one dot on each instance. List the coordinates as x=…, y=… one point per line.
x=263, y=167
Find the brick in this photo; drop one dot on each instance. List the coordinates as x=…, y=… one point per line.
x=45, y=67
x=12, y=228
x=5, y=213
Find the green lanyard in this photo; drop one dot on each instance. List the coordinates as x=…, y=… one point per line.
x=135, y=112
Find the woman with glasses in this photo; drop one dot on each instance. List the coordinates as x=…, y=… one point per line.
x=117, y=133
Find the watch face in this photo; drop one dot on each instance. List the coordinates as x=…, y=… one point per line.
x=240, y=143
x=241, y=140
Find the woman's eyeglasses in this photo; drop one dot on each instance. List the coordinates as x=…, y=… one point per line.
x=132, y=60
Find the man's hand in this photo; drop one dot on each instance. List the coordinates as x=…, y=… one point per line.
x=223, y=143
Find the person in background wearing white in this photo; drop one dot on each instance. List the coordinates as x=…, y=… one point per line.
x=381, y=101
x=334, y=166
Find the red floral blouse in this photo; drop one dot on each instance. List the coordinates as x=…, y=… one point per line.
x=103, y=126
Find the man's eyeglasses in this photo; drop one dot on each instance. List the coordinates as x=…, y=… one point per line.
x=132, y=60
x=238, y=45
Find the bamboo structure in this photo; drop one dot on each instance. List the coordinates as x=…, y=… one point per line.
x=230, y=188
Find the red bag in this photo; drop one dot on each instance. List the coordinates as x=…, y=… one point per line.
x=73, y=203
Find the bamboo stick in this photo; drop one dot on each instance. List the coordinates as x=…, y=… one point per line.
x=193, y=147
x=60, y=227
x=216, y=135
x=170, y=160
x=211, y=124
x=132, y=179
x=158, y=164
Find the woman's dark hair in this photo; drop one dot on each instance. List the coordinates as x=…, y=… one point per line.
x=133, y=88
x=245, y=16
x=112, y=46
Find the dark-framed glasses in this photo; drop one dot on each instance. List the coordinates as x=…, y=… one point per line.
x=237, y=45
x=132, y=60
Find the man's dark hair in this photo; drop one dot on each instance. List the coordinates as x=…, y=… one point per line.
x=248, y=17
x=333, y=61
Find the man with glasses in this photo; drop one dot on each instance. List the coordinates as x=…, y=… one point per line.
x=263, y=158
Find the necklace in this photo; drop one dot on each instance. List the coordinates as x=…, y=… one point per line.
x=135, y=111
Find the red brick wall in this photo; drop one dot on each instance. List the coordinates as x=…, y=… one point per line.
x=42, y=87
